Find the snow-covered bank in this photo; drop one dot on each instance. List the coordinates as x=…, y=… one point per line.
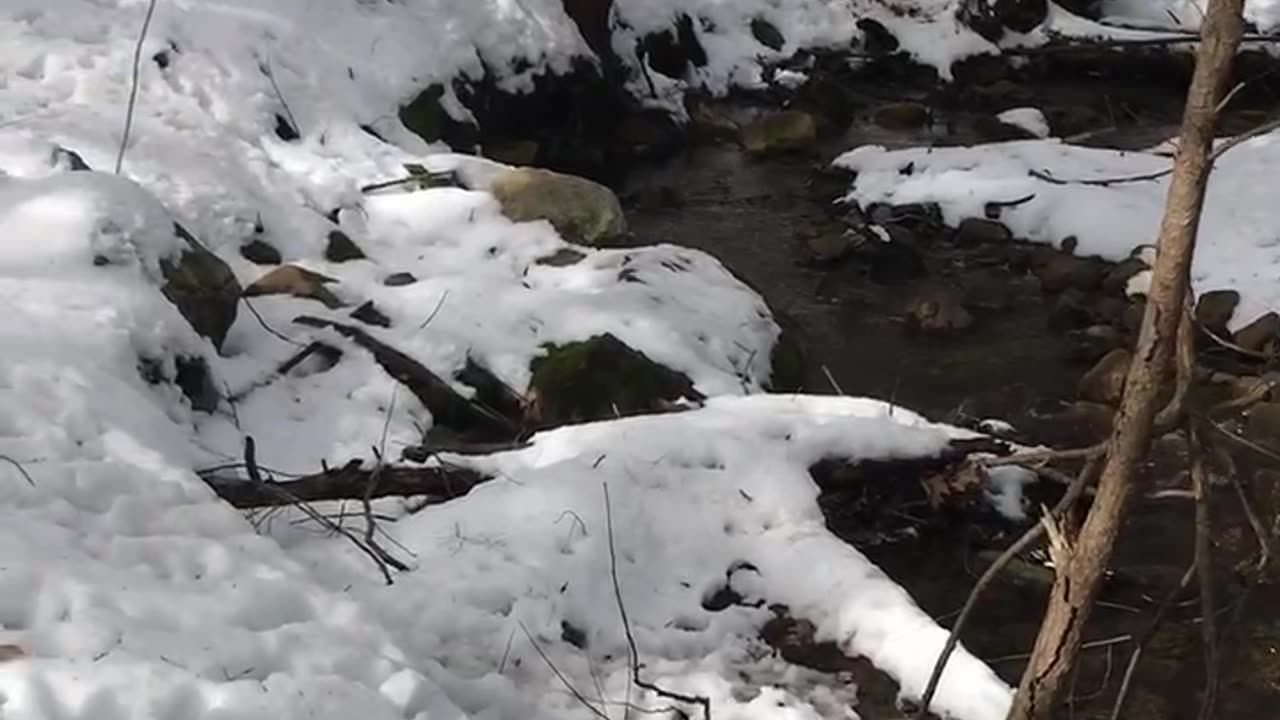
x=1239, y=248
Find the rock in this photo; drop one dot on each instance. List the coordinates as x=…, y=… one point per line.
x=711, y=120
x=980, y=231
x=1263, y=424
x=564, y=257
x=295, y=281
x=767, y=34
x=672, y=51
x=1261, y=335
x=260, y=252
x=1093, y=342
x=1021, y=16
x=202, y=287
x=513, y=152
x=582, y=211
x=987, y=290
x=1215, y=308
x=369, y=314
x=937, y=308
x=902, y=116
x=994, y=130
x=592, y=19
x=876, y=38
x=1058, y=271
x=979, y=16
x=893, y=262
x=1104, y=383
x=1117, y=278
x=1002, y=92
x=426, y=117
x=1093, y=420
x=194, y=378
x=827, y=245
x=399, y=279
x=601, y=378
x=341, y=248
x=780, y=131
x=833, y=100
x=1071, y=311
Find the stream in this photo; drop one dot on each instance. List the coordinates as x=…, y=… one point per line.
x=1015, y=363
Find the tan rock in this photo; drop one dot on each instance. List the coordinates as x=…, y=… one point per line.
x=582, y=211
x=938, y=308
x=295, y=281
x=782, y=131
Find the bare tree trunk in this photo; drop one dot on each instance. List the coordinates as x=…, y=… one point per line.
x=1082, y=562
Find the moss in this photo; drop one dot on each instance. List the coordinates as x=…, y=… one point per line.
x=601, y=378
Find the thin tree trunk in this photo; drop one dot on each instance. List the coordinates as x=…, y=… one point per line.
x=1083, y=562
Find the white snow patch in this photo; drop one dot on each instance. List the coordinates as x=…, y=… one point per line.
x=1004, y=490
x=1239, y=243
x=1027, y=118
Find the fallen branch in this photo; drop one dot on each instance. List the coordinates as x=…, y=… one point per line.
x=1217, y=152
x=1123, y=43
x=447, y=407
x=444, y=482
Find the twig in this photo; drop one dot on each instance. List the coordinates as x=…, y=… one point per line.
x=633, y=653
x=577, y=694
x=1204, y=569
x=371, y=523
x=1032, y=457
x=1091, y=645
x=21, y=470
x=268, y=328
x=831, y=379
x=1140, y=644
x=133, y=85
x=266, y=70
x=1033, y=533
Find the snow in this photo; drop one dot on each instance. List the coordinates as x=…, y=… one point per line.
x=1238, y=248
x=1183, y=14
x=1004, y=490
x=1027, y=118
x=134, y=592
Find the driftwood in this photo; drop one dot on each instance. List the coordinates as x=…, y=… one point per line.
x=347, y=483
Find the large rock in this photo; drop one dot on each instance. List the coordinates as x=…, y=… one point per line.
x=582, y=211
x=1215, y=308
x=781, y=131
x=601, y=378
x=202, y=287
x=1261, y=335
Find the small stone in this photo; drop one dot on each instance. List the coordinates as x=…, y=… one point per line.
x=369, y=314
x=1069, y=244
x=563, y=257
x=987, y=290
x=341, y=248
x=399, y=279
x=295, y=281
x=1261, y=335
x=780, y=131
x=202, y=287
x=831, y=246
x=1060, y=271
x=980, y=231
x=1215, y=308
x=767, y=34
x=937, y=308
x=902, y=116
x=1104, y=383
x=260, y=252
x=1071, y=311
x=1263, y=424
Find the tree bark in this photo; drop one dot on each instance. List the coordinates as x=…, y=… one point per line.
x=1084, y=560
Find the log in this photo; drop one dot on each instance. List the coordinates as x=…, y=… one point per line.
x=347, y=483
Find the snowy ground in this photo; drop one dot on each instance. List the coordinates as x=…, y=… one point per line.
x=1239, y=240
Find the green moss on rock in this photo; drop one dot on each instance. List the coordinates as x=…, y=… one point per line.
x=601, y=378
